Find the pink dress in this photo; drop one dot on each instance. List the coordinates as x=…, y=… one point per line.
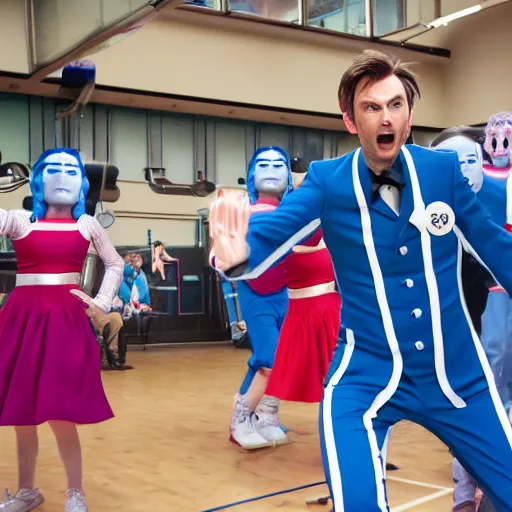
x=49, y=357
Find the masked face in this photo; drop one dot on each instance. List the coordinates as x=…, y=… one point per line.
x=62, y=180
x=271, y=173
x=470, y=159
x=497, y=144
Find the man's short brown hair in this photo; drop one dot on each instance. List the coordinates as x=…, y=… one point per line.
x=373, y=66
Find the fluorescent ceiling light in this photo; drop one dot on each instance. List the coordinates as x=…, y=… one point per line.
x=454, y=16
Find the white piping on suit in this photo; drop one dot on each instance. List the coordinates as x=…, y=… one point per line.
x=418, y=219
x=279, y=253
x=493, y=390
x=433, y=291
x=392, y=385
x=330, y=441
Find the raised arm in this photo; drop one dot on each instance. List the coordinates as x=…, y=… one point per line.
x=268, y=236
x=489, y=242
x=114, y=264
x=14, y=223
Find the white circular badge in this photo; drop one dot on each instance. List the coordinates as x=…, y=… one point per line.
x=440, y=218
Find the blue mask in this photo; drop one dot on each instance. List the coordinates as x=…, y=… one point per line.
x=62, y=179
x=269, y=173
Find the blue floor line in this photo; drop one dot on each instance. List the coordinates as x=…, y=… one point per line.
x=264, y=496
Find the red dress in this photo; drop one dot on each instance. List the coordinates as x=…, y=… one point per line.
x=49, y=357
x=310, y=330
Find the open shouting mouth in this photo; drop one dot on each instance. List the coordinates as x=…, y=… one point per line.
x=385, y=141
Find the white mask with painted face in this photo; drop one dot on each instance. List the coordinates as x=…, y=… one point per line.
x=470, y=158
x=62, y=179
x=271, y=173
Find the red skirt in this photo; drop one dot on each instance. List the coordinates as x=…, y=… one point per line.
x=305, y=348
x=50, y=366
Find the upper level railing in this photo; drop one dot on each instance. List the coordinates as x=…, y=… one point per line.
x=365, y=18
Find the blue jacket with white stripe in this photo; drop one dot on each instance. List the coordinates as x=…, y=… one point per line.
x=399, y=276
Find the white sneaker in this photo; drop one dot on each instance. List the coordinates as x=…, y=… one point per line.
x=76, y=501
x=242, y=430
x=24, y=501
x=267, y=421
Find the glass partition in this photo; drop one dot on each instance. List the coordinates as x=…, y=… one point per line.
x=348, y=16
x=280, y=10
x=212, y=4
x=388, y=16
x=390, y=19
x=396, y=15
x=58, y=26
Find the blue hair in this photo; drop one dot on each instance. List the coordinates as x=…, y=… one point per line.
x=251, y=189
x=37, y=188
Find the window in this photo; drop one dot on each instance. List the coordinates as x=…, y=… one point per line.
x=348, y=16
x=212, y=4
x=230, y=153
x=280, y=10
x=178, y=148
x=14, y=128
x=129, y=136
x=388, y=15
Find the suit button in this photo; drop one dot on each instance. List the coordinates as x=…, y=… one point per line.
x=409, y=283
x=403, y=250
x=419, y=345
x=416, y=313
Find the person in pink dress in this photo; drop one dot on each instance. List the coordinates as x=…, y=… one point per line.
x=310, y=330
x=49, y=357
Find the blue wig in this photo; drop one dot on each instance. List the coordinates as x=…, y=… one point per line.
x=251, y=190
x=37, y=188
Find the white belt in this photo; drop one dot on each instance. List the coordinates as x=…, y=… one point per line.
x=48, y=279
x=311, y=291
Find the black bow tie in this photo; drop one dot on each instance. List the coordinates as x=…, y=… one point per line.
x=385, y=179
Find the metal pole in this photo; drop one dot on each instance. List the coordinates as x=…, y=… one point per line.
x=303, y=13
x=369, y=19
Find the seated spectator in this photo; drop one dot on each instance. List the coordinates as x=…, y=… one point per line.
x=111, y=328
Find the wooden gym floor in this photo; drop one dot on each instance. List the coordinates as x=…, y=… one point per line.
x=167, y=449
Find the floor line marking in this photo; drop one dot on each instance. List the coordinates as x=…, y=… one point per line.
x=421, y=501
x=420, y=484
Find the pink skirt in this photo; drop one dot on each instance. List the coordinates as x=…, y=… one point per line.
x=305, y=348
x=50, y=366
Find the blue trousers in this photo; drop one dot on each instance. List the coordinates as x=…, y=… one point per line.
x=497, y=342
x=353, y=435
x=264, y=315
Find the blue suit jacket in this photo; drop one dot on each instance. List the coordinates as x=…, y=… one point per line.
x=403, y=307
x=493, y=196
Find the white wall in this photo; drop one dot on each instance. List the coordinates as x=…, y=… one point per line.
x=14, y=52
x=479, y=78
x=244, y=67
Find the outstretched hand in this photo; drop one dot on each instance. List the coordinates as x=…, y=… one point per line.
x=229, y=222
x=96, y=314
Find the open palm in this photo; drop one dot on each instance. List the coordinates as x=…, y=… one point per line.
x=229, y=221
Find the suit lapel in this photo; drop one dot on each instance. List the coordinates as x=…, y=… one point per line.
x=407, y=203
x=412, y=207
x=379, y=205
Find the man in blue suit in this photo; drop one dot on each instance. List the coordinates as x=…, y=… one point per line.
x=496, y=313
x=393, y=218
